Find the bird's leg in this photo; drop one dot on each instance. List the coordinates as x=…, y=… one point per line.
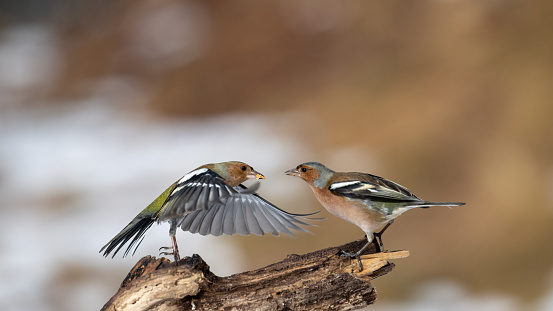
x=378, y=237
x=175, y=246
x=175, y=249
x=358, y=253
x=166, y=253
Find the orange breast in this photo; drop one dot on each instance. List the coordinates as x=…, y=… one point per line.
x=354, y=211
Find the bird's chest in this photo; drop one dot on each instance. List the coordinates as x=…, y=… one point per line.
x=357, y=212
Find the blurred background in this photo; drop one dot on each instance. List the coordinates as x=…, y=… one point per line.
x=103, y=104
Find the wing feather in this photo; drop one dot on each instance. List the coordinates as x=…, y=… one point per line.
x=264, y=223
x=195, y=192
x=187, y=220
x=373, y=187
x=203, y=203
x=228, y=220
x=217, y=224
x=207, y=222
x=240, y=225
x=251, y=220
x=198, y=220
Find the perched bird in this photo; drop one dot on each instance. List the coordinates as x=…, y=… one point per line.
x=209, y=200
x=367, y=201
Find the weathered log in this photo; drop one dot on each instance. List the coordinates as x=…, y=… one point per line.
x=321, y=280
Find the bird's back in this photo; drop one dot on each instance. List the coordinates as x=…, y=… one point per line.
x=372, y=187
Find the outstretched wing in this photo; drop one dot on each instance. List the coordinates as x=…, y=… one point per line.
x=195, y=191
x=203, y=203
x=244, y=213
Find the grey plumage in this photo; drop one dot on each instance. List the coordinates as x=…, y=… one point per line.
x=231, y=211
x=210, y=200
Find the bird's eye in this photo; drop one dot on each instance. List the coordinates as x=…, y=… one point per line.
x=303, y=169
x=243, y=167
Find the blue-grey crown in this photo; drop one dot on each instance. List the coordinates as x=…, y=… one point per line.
x=325, y=174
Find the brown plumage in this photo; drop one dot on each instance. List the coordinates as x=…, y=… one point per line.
x=209, y=200
x=368, y=201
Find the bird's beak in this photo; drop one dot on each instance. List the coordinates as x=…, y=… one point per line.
x=255, y=175
x=292, y=172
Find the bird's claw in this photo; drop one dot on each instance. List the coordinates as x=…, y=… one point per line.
x=353, y=255
x=172, y=251
x=343, y=253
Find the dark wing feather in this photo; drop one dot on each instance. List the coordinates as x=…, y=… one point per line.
x=205, y=226
x=195, y=193
x=228, y=221
x=240, y=223
x=217, y=222
x=134, y=232
x=198, y=220
x=251, y=220
x=191, y=196
x=260, y=216
x=372, y=187
x=187, y=221
x=241, y=211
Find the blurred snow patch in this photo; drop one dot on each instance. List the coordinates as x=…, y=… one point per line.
x=546, y=303
x=72, y=176
x=451, y=296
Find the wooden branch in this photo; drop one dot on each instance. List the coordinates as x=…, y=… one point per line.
x=321, y=280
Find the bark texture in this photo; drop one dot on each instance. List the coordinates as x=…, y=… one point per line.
x=321, y=280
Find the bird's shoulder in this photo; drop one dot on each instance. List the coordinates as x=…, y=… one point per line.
x=351, y=178
x=204, y=171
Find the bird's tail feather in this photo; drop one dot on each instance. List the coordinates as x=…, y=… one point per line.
x=134, y=232
x=429, y=204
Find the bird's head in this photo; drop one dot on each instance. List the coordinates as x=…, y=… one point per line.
x=314, y=173
x=235, y=172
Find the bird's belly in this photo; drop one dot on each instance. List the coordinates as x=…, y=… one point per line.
x=359, y=214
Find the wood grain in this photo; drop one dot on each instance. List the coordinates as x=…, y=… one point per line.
x=321, y=280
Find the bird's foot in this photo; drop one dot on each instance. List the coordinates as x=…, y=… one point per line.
x=172, y=252
x=175, y=254
x=343, y=253
x=353, y=255
x=165, y=248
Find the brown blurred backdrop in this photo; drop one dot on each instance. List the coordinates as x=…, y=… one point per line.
x=449, y=98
